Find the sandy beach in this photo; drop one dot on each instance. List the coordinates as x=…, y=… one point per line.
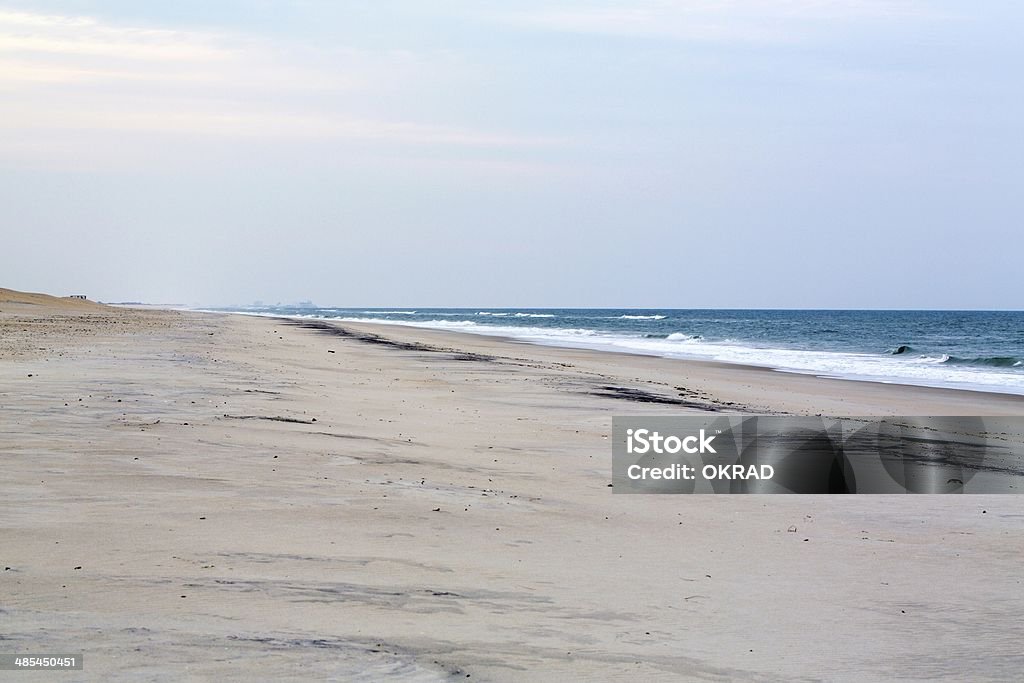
x=202, y=496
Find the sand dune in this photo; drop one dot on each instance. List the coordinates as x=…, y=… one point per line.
x=11, y=299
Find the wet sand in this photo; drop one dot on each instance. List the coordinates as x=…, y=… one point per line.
x=206, y=496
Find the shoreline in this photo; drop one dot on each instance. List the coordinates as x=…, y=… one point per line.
x=807, y=393
x=978, y=387
x=229, y=496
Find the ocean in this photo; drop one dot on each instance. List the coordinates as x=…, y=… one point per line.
x=981, y=350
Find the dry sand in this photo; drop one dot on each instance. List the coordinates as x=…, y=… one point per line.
x=199, y=496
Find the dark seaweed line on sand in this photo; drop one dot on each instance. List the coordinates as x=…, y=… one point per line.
x=642, y=396
x=323, y=327
x=293, y=420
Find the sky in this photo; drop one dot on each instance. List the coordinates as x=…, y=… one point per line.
x=556, y=153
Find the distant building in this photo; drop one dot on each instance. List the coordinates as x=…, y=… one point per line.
x=83, y=297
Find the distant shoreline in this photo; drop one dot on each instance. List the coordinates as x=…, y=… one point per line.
x=731, y=385
x=934, y=371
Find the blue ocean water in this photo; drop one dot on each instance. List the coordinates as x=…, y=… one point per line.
x=961, y=349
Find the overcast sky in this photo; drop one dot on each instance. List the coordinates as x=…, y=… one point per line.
x=655, y=153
